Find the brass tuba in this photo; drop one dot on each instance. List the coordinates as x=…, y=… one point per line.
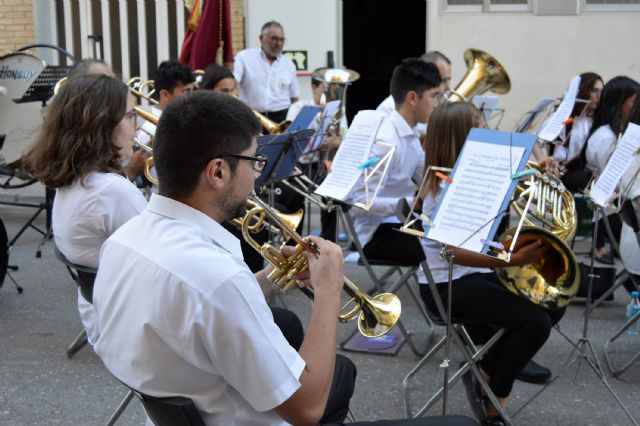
x=553, y=281
x=484, y=73
x=376, y=315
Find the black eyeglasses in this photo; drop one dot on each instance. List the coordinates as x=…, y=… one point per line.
x=259, y=162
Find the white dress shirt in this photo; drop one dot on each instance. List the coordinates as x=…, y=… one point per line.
x=439, y=267
x=629, y=247
x=401, y=181
x=579, y=132
x=264, y=86
x=388, y=106
x=84, y=215
x=180, y=314
x=600, y=146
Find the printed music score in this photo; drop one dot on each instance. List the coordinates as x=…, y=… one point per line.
x=469, y=207
x=556, y=123
x=621, y=159
x=353, y=151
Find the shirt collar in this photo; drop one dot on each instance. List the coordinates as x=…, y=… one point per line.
x=264, y=55
x=173, y=209
x=401, y=125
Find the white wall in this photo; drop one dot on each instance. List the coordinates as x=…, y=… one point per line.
x=541, y=53
x=310, y=25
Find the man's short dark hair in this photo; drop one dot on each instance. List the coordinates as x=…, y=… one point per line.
x=194, y=129
x=170, y=73
x=413, y=74
x=434, y=56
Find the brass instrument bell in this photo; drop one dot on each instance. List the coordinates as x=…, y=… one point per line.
x=484, y=73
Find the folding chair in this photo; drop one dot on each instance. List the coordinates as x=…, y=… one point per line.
x=170, y=411
x=410, y=272
x=463, y=341
x=628, y=215
x=84, y=277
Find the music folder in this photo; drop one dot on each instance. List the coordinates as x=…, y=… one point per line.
x=283, y=152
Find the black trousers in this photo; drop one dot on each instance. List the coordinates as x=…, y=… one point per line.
x=276, y=116
x=483, y=305
x=389, y=244
x=616, y=228
x=344, y=375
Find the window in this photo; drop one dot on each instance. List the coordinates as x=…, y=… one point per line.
x=610, y=5
x=486, y=5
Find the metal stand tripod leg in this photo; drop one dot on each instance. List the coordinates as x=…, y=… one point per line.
x=120, y=409
x=583, y=344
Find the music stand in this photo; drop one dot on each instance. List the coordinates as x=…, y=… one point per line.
x=283, y=152
x=42, y=88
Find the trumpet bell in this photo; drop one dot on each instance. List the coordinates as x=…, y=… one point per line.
x=379, y=315
x=550, y=283
x=484, y=73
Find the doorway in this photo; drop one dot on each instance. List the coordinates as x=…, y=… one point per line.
x=377, y=36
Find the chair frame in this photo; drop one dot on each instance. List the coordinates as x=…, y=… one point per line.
x=379, y=282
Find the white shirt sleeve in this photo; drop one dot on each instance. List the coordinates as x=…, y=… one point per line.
x=119, y=202
x=294, y=90
x=240, y=332
x=238, y=67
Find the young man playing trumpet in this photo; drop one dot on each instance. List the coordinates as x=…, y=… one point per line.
x=180, y=313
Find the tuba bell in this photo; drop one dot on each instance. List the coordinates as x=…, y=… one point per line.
x=376, y=315
x=484, y=73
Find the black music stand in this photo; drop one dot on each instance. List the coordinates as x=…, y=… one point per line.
x=283, y=152
x=42, y=88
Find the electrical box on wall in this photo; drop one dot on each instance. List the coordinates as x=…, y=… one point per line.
x=556, y=7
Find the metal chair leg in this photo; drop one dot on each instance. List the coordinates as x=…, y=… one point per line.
x=121, y=407
x=605, y=349
x=77, y=344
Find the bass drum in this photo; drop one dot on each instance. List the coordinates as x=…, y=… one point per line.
x=20, y=122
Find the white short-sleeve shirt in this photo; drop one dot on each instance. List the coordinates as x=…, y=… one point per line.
x=264, y=86
x=84, y=215
x=180, y=314
x=388, y=106
x=629, y=247
x=579, y=131
x=600, y=146
x=401, y=180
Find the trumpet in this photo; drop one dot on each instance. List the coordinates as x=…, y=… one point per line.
x=143, y=89
x=149, y=161
x=376, y=315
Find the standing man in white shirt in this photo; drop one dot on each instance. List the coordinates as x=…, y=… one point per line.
x=415, y=87
x=267, y=79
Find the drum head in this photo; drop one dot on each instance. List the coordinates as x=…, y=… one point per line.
x=18, y=71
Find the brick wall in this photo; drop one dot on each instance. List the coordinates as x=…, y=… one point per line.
x=16, y=24
x=237, y=25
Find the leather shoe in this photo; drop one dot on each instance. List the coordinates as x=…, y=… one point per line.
x=493, y=421
x=534, y=373
x=606, y=259
x=474, y=394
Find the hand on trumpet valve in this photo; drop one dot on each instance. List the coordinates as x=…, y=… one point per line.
x=326, y=265
x=136, y=164
x=303, y=278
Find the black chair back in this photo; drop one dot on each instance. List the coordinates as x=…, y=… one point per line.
x=84, y=276
x=4, y=252
x=171, y=411
x=628, y=215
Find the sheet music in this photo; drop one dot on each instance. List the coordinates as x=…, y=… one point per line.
x=486, y=104
x=329, y=110
x=619, y=162
x=481, y=181
x=555, y=125
x=353, y=151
